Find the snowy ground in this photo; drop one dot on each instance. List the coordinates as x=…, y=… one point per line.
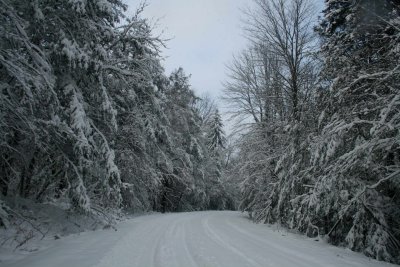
x=198, y=239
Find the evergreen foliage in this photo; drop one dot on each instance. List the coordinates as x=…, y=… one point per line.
x=325, y=160
x=89, y=120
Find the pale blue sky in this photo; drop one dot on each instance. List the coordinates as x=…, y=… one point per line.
x=205, y=34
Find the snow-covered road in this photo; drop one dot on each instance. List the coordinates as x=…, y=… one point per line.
x=198, y=239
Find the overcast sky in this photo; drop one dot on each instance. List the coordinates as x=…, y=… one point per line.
x=205, y=34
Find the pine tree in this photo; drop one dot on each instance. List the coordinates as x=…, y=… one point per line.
x=216, y=135
x=216, y=144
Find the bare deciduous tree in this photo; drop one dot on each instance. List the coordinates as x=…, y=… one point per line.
x=285, y=29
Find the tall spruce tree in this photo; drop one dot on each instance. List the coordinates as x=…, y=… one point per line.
x=216, y=142
x=216, y=135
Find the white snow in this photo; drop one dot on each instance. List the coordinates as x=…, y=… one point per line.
x=198, y=239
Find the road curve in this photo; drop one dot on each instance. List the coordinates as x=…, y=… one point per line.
x=197, y=239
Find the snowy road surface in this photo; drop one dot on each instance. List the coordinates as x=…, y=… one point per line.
x=198, y=239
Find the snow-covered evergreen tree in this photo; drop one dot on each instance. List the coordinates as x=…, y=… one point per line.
x=99, y=86
x=355, y=158
x=216, y=141
x=216, y=135
x=183, y=187
x=335, y=174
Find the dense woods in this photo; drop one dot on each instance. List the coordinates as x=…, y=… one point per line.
x=319, y=106
x=91, y=123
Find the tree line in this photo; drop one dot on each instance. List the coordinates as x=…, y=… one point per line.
x=317, y=106
x=90, y=120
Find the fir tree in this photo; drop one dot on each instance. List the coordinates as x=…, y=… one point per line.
x=216, y=135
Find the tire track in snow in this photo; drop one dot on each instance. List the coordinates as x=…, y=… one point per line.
x=171, y=249
x=284, y=253
x=159, y=251
x=184, y=241
x=127, y=252
x=217, y=238
x=198, y=239
x=200, y=246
